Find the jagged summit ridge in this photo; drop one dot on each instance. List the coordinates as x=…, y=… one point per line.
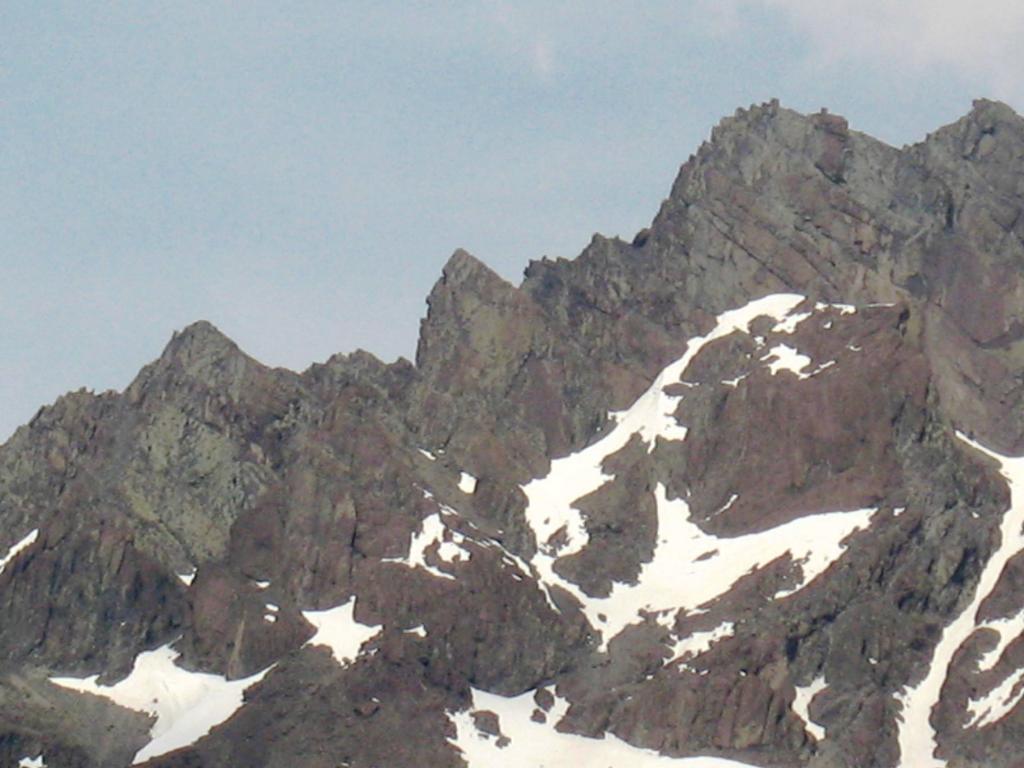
x=697, y=499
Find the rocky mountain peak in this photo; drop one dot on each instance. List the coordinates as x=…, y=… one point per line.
x=463, y=267
x=467, y=289
x=720, y=492
x=199, y=355
x=198, y=345
x=990, y=137
x=990, y=113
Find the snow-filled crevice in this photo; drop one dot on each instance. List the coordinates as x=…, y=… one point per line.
x=916, y=735
x=802, y=704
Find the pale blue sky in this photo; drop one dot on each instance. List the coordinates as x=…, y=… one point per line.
x=298, y=172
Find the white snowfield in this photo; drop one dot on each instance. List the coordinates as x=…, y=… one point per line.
x=689, y=567
x=916, y=735
x=17, y=549
x=186, y=704
x=539, y=745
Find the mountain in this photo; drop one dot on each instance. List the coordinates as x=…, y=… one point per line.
x=742, y=491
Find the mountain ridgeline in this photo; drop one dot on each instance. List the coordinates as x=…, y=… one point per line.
x=739, y=492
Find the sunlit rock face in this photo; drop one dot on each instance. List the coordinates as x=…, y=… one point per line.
x=742, y=491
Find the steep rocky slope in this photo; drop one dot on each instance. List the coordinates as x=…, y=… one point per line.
x=737, y=492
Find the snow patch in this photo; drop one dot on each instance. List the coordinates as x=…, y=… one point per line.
x=338, y=629
x=467, y=483
x=842, y=309
x=802, y=703
x=428, y=454
x=539, y=745
x=419, y=631
x=186, y=705
x=782, y=357
x=261, y=584
x=17, y=549
x=34, y=762
x=188, y=578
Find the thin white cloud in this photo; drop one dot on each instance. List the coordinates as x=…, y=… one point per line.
x=543, y=59
x=527, y=35
x=979, y=40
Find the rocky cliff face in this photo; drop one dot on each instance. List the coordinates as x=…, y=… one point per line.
x=738, y=492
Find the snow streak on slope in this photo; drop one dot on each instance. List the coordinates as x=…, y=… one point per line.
x=16, y=550
x=998, y=703
x=695, y=644
x=676, y=577
x=186, y=704
x=338, y=629
x=539, y=745
x=916, y=735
